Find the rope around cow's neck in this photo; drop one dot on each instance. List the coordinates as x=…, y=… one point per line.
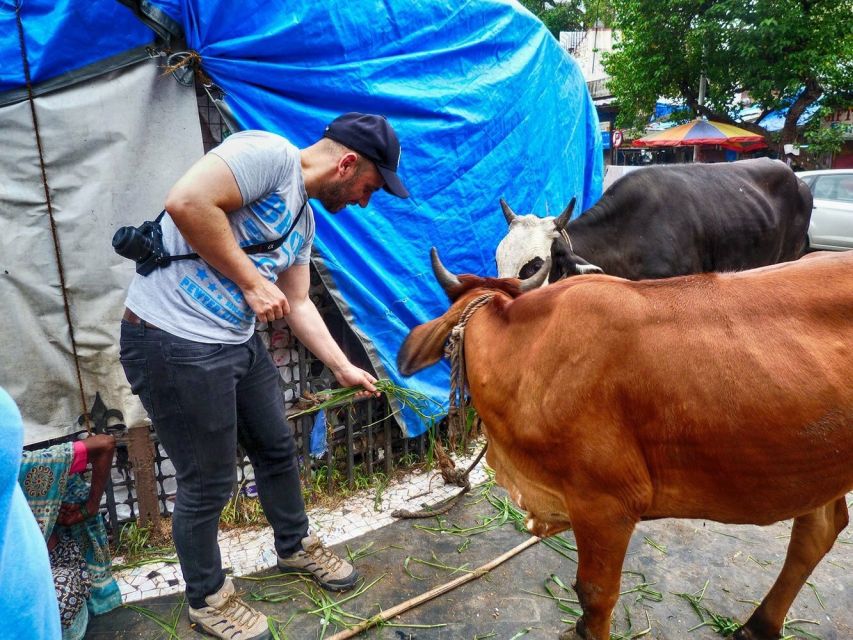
x=455, y=351
x=455, y=416
x=567, y=239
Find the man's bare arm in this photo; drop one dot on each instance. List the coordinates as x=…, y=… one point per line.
x=307, y=324
x=199, y=203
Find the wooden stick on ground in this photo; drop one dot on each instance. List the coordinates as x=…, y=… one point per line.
x=432, y=593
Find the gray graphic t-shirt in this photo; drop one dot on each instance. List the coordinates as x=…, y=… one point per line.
x=189, y=298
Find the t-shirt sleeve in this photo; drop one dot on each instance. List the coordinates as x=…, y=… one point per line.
x=259, y=161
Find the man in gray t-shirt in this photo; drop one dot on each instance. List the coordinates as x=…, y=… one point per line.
x=189, y=349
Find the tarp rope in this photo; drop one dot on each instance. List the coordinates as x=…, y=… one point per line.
x=48, y=202
x=192, y=60
x=457, y=415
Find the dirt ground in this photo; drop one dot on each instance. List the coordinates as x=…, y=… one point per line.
x=724, y=570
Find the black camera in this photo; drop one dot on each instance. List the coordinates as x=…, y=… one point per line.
x=144, y=244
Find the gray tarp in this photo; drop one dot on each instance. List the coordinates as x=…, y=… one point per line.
x=112, y=147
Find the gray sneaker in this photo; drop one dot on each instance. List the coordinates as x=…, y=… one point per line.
x=229, y=618
x=326, y=567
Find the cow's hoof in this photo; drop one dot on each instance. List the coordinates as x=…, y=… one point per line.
x=577, y=632
x=745, y=633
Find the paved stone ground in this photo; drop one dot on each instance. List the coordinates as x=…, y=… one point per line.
x=737, y=563
x=249, y=550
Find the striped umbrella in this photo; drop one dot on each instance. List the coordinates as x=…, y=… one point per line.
x=703, y=132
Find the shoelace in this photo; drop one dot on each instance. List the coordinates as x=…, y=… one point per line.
x=322, y=554
x=239, y=611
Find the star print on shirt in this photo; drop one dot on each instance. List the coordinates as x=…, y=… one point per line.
x=201, y=273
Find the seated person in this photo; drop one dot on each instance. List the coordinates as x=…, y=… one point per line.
x=66, y=509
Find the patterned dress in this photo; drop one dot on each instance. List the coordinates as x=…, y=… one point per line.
x=81, y=560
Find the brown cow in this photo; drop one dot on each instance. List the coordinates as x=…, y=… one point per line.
x=726, y=397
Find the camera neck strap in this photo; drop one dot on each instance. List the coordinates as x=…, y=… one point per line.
x=260, y=247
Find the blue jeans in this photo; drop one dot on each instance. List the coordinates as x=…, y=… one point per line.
x=202, y=398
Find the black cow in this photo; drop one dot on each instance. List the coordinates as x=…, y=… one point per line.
x=669, y=220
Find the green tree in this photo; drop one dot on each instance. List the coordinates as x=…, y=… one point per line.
x=570, y=15
x=783, y=53
x=557, y=16
x=823, y=141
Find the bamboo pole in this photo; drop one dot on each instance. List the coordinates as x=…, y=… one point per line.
x=432, y=593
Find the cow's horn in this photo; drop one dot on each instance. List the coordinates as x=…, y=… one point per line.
x=561, y=222
x=509, y=214
x=535, y=281
x=446, y=279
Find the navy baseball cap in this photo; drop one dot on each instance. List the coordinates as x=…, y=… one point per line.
x=373, y=137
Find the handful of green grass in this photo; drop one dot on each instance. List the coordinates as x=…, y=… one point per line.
x=426, y=408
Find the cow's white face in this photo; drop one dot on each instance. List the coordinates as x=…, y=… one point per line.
x=529, y=237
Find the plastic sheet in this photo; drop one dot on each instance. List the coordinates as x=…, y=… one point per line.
x=485, y=103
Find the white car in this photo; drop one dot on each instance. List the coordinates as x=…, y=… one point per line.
x=831, y=225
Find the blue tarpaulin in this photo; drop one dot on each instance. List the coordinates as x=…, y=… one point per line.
x=485, y=102
x=775, y=120
x=62, y=36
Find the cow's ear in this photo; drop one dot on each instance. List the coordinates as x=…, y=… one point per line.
x=424, y=346
x=567, y=263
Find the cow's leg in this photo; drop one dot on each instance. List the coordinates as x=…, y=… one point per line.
x=602, y=537
x=813, y=534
